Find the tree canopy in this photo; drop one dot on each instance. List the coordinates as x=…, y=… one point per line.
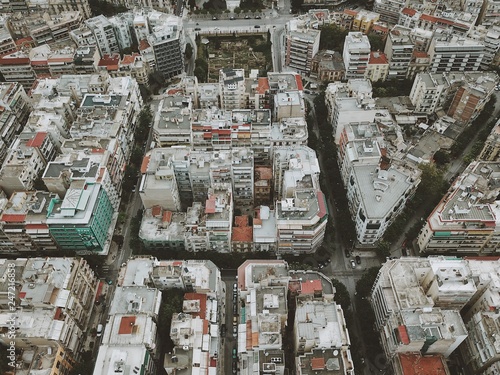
x=332, y=38
x=341, y=295
x=365, y=284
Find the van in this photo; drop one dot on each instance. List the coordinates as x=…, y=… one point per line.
x=99, y=330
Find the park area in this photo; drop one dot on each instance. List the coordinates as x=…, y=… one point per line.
x=215, y=52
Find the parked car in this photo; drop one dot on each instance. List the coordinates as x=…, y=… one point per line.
x=99, y=330
x=347, y=253
x=234, y=367
x=257, y=26
x=235, y=287
x=353, y=264
x=235, y=331
x=358, y=259
x=257, y=17
x=214, y=18
x=247, y=17
x=231, y=18
x=235, y=353
x=197, y=29
x=223, y=330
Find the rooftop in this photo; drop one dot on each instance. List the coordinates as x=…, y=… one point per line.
x=381, y=190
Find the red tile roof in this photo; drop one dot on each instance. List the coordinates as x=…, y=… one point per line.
x=167, y=216
x=264, y=173
x=298, y=79
x=110, y=62
x=37, y=141
x=420, y=54
x=415, y=364
x=21, y=41
x=380, y=28
x=311, y=286
x=145, y=163
x=242, y=234
x=322, y=204
x=317, y=363
x=129, y=59
x=241, y=221
x=377, y=58
x=403, y=335
x=127, y=324
x=143, y=44
x=263, y=85
x=210, y=205
x=350, y=12
x=14, y=218
x=202, y=297
x=409, y=12
x=156, y=210
x=5, y=60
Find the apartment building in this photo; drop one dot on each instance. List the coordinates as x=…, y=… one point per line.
x=262, y=311
x=464, y=220
x=377, y=193
x=389, y=10
x=491, y=148
x=14, y=111
x=84, y=37
x=378, y=67
x=489, y=13
x=55, y=322
x=52, y=7
x=104, y=34
x=416, y=304
x=44, y=28
x=288, y=105
x=428, y=91
x=470, y=99
x=356, y=54
x=399, y=49
x=232, y=89
x=24, y=223
x=168, y=44
x=27, y=157
x=301, y=212
x=16, y=67
x=316, y=313
x=301, y=45
x=452, y=53
x=121, y=25
x=130, y=337
x=172, y=121
x=81, y=222
x=419, y=63
x=349, y=102
x=479, y=349
x=7, y=44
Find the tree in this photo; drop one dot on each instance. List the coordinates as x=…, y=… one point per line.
x=365, y=284
x=237, y=10
x=171, y=303
x=296, y=5
x=332, y=38
x=188, y=53
x=441, y=157
x=376, y=42
x=341, y=295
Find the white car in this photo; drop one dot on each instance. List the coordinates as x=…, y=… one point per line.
x=353, y=264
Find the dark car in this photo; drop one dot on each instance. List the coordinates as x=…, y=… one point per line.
x=358, y=259
x=347, y=253
x=231, y=18
x=257, y=26
x=234, y=368
x=197, y=29
x=223, y=330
